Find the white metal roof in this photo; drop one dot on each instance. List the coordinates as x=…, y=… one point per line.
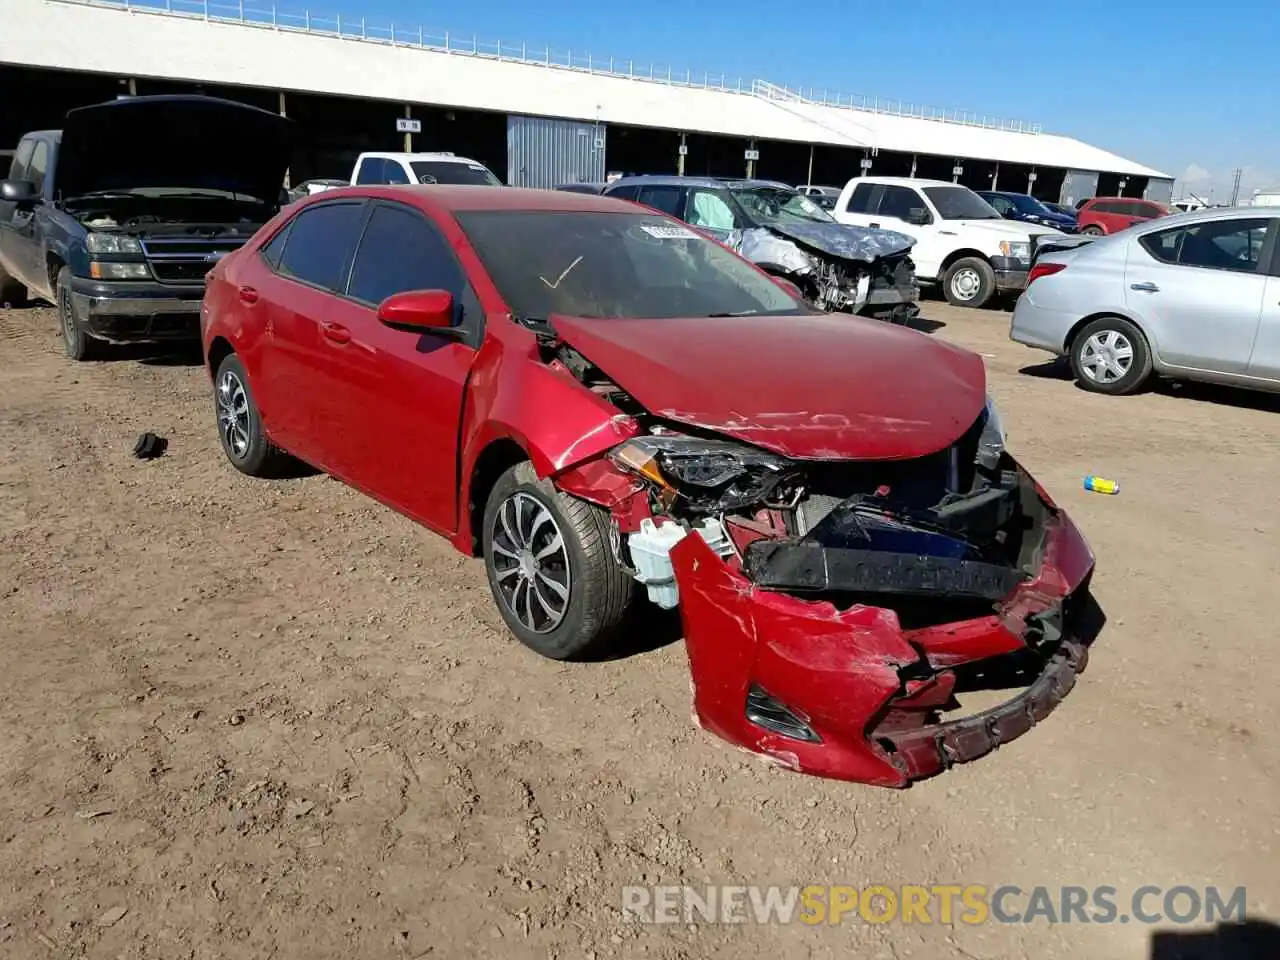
x=85, y=35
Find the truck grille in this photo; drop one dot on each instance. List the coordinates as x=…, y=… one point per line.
x=186, y=260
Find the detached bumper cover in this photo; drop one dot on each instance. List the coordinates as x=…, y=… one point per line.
x=869, y=689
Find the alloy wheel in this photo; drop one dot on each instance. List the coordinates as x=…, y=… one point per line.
x=1106, y=356
x=530, y=561
x=233, y=414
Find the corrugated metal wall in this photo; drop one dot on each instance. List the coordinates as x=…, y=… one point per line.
x=1159, y=190
x=546, y=153
x=1078, y=185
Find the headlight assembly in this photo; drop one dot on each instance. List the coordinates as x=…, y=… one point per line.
x=991, y=440
x=112, y=243
x=702, y=470
x=1016, y=249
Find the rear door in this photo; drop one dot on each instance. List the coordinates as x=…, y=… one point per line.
x=395, y=397
x=1200, y=289
x=296, y=302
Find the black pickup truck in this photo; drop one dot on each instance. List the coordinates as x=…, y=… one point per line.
x=117, y=217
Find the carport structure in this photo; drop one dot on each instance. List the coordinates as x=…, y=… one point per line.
x=536, y=117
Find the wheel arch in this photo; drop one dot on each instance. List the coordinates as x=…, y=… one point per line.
x=219, y=349
x=1069, y=341
x=962, y=254
x=497, y=457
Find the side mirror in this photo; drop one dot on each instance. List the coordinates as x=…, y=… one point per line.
x=18, y=191
x=918, y=216
x=420, y=311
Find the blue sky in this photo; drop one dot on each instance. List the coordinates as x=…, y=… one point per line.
x=1171, y=85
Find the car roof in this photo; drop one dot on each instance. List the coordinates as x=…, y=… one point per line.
x=453, y=198
x=1208, y=214
x=392, y=155
x=905, y=181
x=670, y=180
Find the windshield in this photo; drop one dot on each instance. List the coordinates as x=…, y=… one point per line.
x=616, y=265
x=772, y=205
x=960, y=203
x=1026, y=204
x=447, y=171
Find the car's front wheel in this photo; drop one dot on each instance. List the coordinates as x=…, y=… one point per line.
x=1091, y=230
x=551, y=567
x=969, y=282
x=76, y=344
x=1110, y=355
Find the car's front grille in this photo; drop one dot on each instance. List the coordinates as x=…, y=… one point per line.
x=186, y=260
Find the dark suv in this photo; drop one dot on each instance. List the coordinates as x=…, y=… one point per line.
x=117, y=217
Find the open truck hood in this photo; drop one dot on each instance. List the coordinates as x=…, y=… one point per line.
x=846, y=241
x=173, y=142
x=824, y=387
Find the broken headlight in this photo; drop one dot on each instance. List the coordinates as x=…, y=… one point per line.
x=719, y=474
x=991, y=440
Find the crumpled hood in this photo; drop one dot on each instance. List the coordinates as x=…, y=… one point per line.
x=844, y=240
x=822, y=387
x=173, y=142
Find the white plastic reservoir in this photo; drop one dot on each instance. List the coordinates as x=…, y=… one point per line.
x=651, y=553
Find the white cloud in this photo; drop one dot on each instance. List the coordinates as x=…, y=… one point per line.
x=1215, y=185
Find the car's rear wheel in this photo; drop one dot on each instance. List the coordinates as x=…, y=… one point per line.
x=552, y=570
x=76, y=344
x=240, y=425
x=1091, y=230
x=1110, y=355
x=969, y=282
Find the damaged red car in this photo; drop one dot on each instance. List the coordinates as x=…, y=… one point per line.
x=608, y=406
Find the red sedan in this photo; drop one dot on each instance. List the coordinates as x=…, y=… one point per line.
x=605, y=404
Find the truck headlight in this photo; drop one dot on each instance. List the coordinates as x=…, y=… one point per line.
x=1016, y=249
x=118, y=271
x=112, y=243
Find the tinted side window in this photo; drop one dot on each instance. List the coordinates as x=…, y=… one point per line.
x=898, y=202
x=624, y=193
x=272, y=250
x=1152, y=211
x=370, y=170
x=1164, y=245
x=666, y=199
x=860, y=199
x=393, y=172
x=401, y=251
x=39, y=165
x=18, y=168
x=320, y=243
x=1224, y=245
x=707, y=208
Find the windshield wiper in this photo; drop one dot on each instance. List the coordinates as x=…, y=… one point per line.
x=736, y=313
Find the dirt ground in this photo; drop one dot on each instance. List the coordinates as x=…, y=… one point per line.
x=274, y=719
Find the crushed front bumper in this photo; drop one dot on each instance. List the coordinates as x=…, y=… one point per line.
x=870, y=692
x=137, y=311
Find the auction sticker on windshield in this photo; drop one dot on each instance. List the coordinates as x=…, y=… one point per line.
x=665, y=231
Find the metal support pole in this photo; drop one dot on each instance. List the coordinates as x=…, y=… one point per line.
x=408, y=137
x=280, y=101
x=751, y=164
x=684, y=149
x=133, y=87
x=995, y=177
x=913, y=166
x=808, y=180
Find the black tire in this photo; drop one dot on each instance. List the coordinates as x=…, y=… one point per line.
x=12, y=293
x=76, y=344
x=598, y=591
x=247, y=445
x=969, y=282
x=1113, y=333
x=1091, y=231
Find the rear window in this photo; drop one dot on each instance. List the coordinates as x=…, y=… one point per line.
x=616, y=265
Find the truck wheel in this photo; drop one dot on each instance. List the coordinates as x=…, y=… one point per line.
x=240, y=425
x=77, y=344
x=12, y=293
x=1110, y=355
x=551, y=567
x=969, y=282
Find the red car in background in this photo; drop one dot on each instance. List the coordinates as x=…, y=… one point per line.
x=601, y=402
x=1108, y=215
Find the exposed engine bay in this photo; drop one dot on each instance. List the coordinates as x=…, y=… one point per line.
x=170, y=214
x=835, y=610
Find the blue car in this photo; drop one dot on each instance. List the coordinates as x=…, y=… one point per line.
x=1027, y=209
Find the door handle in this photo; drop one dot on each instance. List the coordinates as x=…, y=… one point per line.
x=248, y=295
x=1145, y=287
x=335, y=332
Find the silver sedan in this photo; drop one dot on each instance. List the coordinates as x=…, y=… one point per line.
x=1195, y=296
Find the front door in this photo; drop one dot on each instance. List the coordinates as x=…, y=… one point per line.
x=395, y=397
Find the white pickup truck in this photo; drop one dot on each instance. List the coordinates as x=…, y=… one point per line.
x=421, y=168
x=961, y=241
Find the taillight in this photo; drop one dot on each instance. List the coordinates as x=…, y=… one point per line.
x=1044, y=270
